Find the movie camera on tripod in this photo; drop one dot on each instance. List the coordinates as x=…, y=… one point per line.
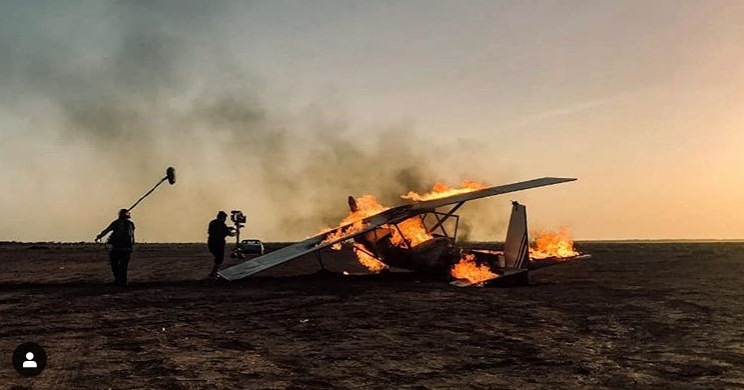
x=244, y=247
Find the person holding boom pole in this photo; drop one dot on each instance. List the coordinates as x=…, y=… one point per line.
x=121, y=240
x=120, y=244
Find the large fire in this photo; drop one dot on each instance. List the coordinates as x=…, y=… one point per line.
x=414, y=233
x=553, y=244
x=408, y=233
x=367, y=206
x=441, y=190
x=466, y=268
x=368, y=260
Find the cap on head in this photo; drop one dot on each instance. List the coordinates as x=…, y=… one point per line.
x=123, y=213
x=222, y=214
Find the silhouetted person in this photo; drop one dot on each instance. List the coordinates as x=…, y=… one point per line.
x=120, y=244
x=217, y=232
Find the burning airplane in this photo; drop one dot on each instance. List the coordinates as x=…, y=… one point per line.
x=418, y=237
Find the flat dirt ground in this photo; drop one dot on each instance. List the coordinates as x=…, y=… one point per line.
x=636, y=316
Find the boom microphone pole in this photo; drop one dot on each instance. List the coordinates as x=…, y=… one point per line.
x=170, y=175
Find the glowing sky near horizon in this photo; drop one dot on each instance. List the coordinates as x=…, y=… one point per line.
x=642, y=101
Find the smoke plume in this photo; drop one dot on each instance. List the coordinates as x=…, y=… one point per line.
x=96, y=111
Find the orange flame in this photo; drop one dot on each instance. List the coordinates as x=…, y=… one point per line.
x=466, y=268
x=441, y=190
x=367, y=260
x=414, y=233
x=553, y=244
x=408, y=233
x=367, y=206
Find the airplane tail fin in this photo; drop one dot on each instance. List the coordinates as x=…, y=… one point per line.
x=516, y=248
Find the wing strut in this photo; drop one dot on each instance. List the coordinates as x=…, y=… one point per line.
x=446, y=216
x=320, y=260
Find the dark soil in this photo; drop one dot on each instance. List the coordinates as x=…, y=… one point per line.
x=636, y=316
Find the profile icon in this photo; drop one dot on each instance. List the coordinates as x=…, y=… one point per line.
x=29, y=359
x=30, y=363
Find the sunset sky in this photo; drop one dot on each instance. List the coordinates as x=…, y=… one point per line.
x=284, y=108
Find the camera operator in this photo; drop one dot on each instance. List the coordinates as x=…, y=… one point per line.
x=217, y=232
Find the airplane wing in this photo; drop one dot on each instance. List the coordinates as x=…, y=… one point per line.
x=316, y=243
x=389, y=216
x=432, y=204
x=274, y=258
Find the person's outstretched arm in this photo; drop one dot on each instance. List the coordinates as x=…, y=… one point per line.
x=104, y=232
